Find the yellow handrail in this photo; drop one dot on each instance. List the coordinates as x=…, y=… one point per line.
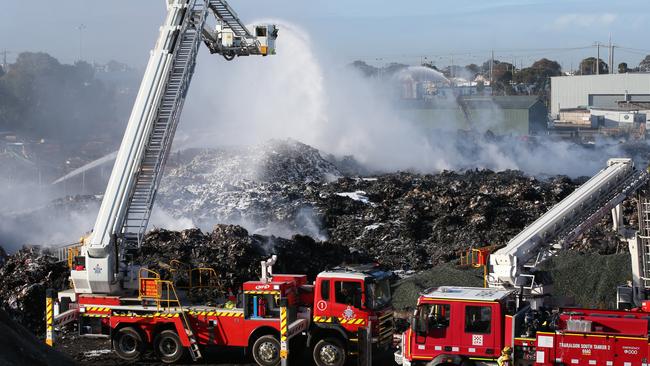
x=477, y=258
x=200, y=274
x=73, y=251
x=153, y=288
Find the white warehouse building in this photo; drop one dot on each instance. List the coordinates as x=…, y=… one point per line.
x=629, y=91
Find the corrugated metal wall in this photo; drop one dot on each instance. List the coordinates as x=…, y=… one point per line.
x=574, y=91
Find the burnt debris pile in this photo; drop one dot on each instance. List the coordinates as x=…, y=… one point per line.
x=23, y=280
x=403, y=220
x=258, y=187
x=411, y=221
x=19, y=347
x=235, y=255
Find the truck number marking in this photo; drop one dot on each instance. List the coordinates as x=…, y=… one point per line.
x=321, y=305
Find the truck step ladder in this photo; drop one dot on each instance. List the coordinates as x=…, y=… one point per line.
x=195, y=352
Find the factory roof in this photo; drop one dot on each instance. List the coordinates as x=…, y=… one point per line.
x=504, y=101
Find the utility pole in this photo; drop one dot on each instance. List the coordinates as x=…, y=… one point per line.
x=81, y=28
x=598, y=58
x=492, y=68
x=451, y=68
x=5, y=66
x=611, y=59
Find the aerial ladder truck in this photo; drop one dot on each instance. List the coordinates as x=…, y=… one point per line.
x=346, y=311
x=511, y=321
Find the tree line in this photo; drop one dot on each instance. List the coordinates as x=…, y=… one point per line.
x=45, y=99
x=506, y=78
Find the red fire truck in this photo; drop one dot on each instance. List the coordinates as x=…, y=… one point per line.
x=509, y=322
x=330, y=314
x=140, y=309
x=474, y=326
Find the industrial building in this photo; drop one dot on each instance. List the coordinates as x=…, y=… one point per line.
x=624, y=92
x=517, y=115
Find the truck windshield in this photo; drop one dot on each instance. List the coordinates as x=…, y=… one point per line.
x=378, y=294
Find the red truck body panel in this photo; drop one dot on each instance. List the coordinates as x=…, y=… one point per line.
x=457, y=330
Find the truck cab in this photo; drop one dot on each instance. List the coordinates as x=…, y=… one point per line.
x=347, y=300
x=455, y=324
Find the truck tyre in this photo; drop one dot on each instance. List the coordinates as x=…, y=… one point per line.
x=266, y=351
x=329, y=352
x=168, y=346
x=128, y=344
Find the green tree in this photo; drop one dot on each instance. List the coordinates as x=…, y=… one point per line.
x=588, y=66
x=473, y=68
x=538, y=75
x=644, y=66
x=622, y=68
x=46, y=99
x=365, y=69
x=546, y=68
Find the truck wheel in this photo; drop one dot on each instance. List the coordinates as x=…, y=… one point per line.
x=329, y=352
x=168, y=346
x=128, y=344
x=266, y=351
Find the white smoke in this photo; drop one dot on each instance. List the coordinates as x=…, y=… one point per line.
x=296, y=94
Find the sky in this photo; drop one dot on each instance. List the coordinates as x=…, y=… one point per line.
x=377, y=31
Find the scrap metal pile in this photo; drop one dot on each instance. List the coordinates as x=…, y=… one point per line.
x=235, y=255
x=404, y=221
x=24, y=277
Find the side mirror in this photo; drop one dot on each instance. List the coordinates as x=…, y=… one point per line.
x=357, y=301
x=418, y=325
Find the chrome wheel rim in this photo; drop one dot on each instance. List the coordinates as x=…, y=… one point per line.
x=330, y=354
x=267, y=352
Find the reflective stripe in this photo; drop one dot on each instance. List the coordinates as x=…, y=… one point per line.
x=283, y=324
x=351, y=321
x=232, y=314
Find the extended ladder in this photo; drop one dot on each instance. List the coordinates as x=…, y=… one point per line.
x=565, y=221
x=160, y=139
x=129, y=197
x=228, y=16
x=643, y=237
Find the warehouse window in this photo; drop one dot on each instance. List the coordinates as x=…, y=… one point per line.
x=478, y=319
x=325, y=290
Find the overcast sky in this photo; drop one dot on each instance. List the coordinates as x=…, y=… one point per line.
x=379, y=31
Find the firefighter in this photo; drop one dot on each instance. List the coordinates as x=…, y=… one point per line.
x=505, y=358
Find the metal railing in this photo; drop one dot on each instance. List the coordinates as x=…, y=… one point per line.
x=201, y=277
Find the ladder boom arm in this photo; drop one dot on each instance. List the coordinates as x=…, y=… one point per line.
x=129, y=197
x=572, y=216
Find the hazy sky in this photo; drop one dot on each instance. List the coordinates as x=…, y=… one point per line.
x=375, y=30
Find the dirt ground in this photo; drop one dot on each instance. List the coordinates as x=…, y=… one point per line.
x=97, y=352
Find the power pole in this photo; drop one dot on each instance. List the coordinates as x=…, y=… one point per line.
x=4, y=60
x=81, y=28
x=451, y=68
x=492, y=68
x=598, y=58
x=611, y=59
